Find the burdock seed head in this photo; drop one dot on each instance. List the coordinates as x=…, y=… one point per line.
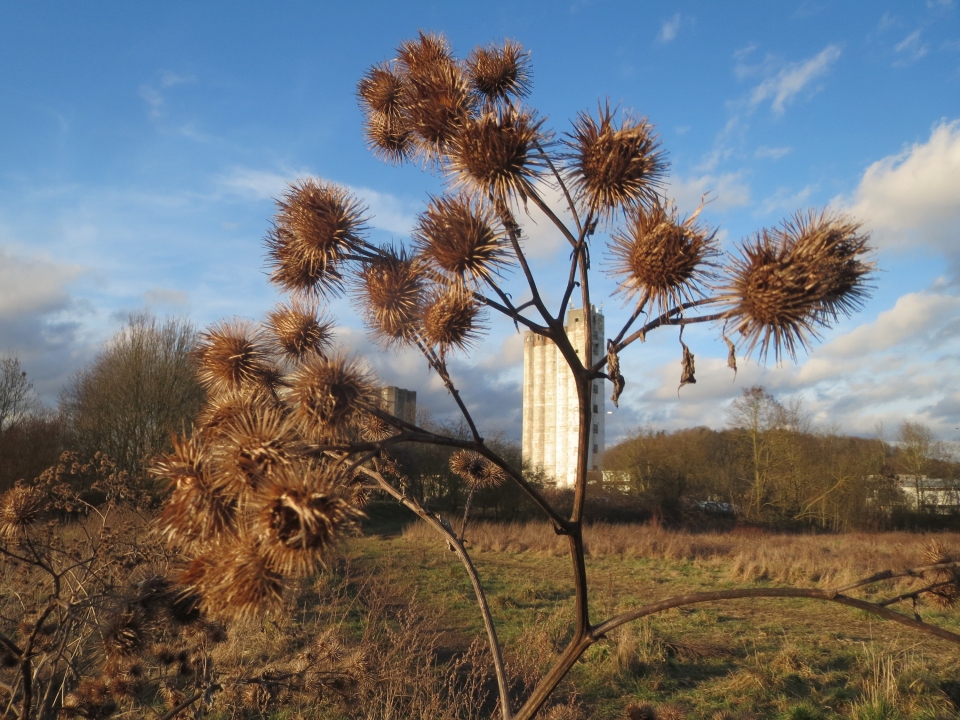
x=500, y=73
x=295, y=522
x=238, y=583
x=790, y=281
x=658, y=257
x=612, y=169
x=232, y=357
x=391, y=289
x=20, y=507
x=450, y=320
x=427, y=52
x=437, y=103
x=380, y=90
x=298, y=329
x=388, y=138
x=259, y=441
x=460, y=236
x=476, y=470
x=316, y=226
x=329, y=394
x=496, y=153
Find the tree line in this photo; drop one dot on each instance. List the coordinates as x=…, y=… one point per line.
x=770, y=466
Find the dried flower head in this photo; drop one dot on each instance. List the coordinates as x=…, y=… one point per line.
x=391, y=289
x=231, y=357
x=299, y=329
x=198, y=510
x=124, y=634
x=428, y=51
x=789, y=281
x=475, y=469
x=237, y=583
x=459, y=235
x=613, y=168
x=496, y=153
x=257, y=442
x=660, y=258
x=500, y=72
x=330, y=393
x=317, y=226
x=437, y=103
x=296, y=520
x=20, y=507
x=92, y=699
x=388, y=138
x=450, y=319
x=375, y=429
x=380, y=90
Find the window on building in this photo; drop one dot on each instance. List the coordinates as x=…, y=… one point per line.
x=595, y=409
x=594, y=388
x=596, y=449
x=596, y=428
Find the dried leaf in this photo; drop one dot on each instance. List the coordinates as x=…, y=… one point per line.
x=687, y=373
x=613, y=373
x=731, y=356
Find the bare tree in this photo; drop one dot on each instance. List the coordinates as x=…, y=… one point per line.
x=17, y=399
x=915, y=449
x=137, y=392
x=293, y=437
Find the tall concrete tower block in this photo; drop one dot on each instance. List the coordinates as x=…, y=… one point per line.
x=399, y=402
x=550, y=408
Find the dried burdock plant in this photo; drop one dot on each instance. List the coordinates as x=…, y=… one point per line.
x=451, y=320
x=610, y=168
x=461, y=237
x=20, y=507
x=790, y=281
x=476, y=470
x=232, y=357
x=437, y=104
x=661, y=259
x=317, y=227
x=237, y=582
x=381, y=91
x=331, y=392
x=497, y=154
x=388, y=138
x=298, y=329
x=258, y=442
x=500, y=72
x=297, y=519
x=391, y=290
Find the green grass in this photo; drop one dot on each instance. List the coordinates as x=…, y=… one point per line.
x=792, y=659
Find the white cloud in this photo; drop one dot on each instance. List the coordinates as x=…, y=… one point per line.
x=793, y=78
x=542, y=239
x=669, y=29
x=32, y=285
x=154, y=101
x=771, y=153
x=913, y=198
x=785, y=200
x=165, y=296
x=911, y=48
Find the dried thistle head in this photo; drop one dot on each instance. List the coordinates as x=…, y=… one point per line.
x=317, y=226
x=934, y=552
x=426, y=52
x=500, y=73
x=451, y=320
x=391, y=289
x=124, y=634
x=388, y=138
x=789, y=281
x=329, y=394
x=198, y=509
x=459, y=234
x=298, y=329
x=237, y=583
x=232, y=357
x=296, y=520
x=475, y=469
x=20, y=507
x=380, y=90
x=496, y=153
x=91, y=699
x=661, y=258
x=613, y=168
x=375, y=429
x=437, y=103
x=255, y=444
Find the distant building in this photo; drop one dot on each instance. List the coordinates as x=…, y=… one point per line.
x=550, y=407
x=937, y=495
x=399, y=402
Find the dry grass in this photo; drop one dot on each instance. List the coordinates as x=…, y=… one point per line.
x=747, y=555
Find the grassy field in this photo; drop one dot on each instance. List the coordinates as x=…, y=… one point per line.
x=740, y=659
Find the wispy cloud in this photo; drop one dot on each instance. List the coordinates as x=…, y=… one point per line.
x=154, y=100
x=669, y=29
x=771, y=153
x=783, y=87
x=911, y=48
x=725, y=191
x=785, y=200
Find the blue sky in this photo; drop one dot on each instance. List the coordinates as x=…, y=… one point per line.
x=141, y=147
